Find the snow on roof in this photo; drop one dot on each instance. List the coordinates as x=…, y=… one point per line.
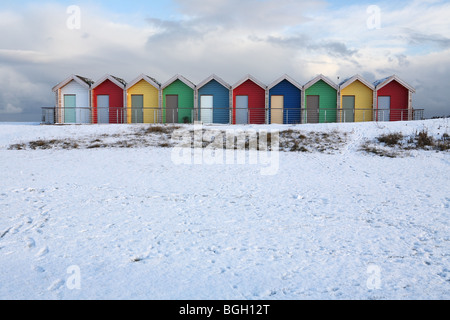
x=382, y=82
x=120, y=80
x=87, y=80
x=376, y=83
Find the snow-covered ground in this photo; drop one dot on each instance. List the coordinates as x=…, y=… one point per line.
x=129, y=223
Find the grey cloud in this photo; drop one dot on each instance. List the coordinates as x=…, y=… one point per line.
x=260, y=14
x=415, y=38
x=434, y=39
x=303, y=42
x=174, y=31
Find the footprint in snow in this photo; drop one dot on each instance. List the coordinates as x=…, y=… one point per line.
x=56, y=285
x=42, y=252
x=38, y=269
x=30, y=243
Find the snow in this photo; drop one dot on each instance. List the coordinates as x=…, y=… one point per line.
x=127, y=223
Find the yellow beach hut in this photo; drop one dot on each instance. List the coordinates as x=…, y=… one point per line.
x=356, y=100
x=143, y=100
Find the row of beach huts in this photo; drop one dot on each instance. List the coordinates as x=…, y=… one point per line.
x=112, y=100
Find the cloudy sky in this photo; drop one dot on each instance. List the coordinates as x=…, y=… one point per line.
x=43, y=42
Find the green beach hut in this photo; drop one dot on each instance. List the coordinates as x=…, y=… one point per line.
x=320, y=100
x=178, y=100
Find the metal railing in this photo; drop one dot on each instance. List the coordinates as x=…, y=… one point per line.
x=115, y=115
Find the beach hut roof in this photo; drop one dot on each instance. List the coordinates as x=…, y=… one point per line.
x=287, y=78
x=117, y=81
x=349, y=81
x=251, y=78
x=146, y=78
x=382, y=82
x=83, y=81
x=213, y=77
x=324, y=79
x=182, y=79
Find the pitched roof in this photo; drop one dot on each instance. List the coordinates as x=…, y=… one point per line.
x=382, y=82
x=287, y=78
x=182, y=79
x=324, y=79
x=86, y=80
x=357, y=77
x=146, y=78
x=83, y=81
x=117, y=81
x=216, y=78
x=120, y=80
x=251, y=78
x=376, y=83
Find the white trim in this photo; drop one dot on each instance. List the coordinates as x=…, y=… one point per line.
x=251, y=78
x=392, y=78
x=289, y=79
x=70, y=79
x=213, y=77
x=110, y=78
x=324, y=79
x=145, y=78
x=360, y=79
x=181, y=78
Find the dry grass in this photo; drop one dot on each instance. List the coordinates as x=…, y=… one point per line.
x=424, y=140
x=397, y=144
x=288, y=141
x=17, y=146
x=391, y=139
x=367, y=147
x=159, y=129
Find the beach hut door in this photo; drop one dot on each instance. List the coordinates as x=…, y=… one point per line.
x=241, y=109
x=137, y=109
x=172, y=109
x=348, y=108
x=206, y=111
x=103, y=109
x=312, y=107
x=70, y=104
x=277, y=109
x=384, y=108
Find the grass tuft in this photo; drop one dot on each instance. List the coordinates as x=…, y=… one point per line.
x=391, y=139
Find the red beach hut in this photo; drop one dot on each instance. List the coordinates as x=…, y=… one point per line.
x=249, y=101
x=108, y=100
